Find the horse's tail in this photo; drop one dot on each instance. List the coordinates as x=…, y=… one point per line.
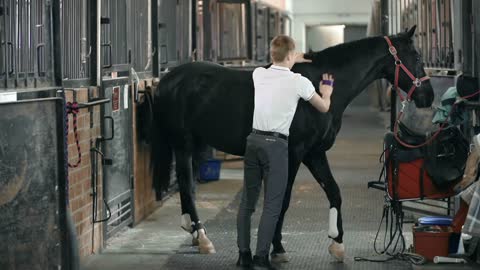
x=145, y=117
x=161, y=153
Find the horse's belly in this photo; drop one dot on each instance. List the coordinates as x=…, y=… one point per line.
x=218, y=130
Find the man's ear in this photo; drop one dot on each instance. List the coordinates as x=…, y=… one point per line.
x=292, y=56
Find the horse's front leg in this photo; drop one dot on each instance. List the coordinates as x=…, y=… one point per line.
x=318, y=165
x=190, y=220
x=279, y=254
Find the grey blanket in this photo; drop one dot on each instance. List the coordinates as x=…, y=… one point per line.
x=472, y=223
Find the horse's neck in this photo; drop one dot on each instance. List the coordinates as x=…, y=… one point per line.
x=361, y=71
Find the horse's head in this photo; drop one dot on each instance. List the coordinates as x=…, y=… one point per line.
x=406, y=67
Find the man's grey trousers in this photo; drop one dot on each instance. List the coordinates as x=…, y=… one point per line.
x=266, y=157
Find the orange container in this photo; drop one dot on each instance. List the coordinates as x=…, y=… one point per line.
x=432, y=243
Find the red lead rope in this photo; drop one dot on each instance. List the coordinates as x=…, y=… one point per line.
x=72, y=108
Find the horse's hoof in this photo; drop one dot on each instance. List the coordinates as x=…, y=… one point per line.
x=205, y=246
x=280, y=257
x=337, y=250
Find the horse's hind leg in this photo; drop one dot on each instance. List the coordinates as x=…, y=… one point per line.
x=200, y=155
x=279, y=254
x=318, y=166
x=190, y=219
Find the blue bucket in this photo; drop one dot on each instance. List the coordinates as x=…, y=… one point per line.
x=439, y=221
x=210, y=170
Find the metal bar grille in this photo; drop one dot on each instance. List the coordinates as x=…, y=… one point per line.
x=272, y=24
x=25, y=43
x=167, y=18
x=273, y=28
x=175, y=35
x=114, y=34
x=232, y=31
x=76, y=45
x=261, y=26
x=200, y=31
x=430, y=207
x=140, y=36
x=434, y=36
x=121, y=209
x=184, y=34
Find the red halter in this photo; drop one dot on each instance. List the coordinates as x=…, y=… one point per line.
x=416, y=82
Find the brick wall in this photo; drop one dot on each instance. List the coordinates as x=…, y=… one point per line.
x=80, y=193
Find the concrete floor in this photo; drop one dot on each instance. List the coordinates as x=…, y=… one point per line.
x=154, y=240
x=159, y=243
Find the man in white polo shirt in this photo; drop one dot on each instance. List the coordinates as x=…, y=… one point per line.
x=277, y=91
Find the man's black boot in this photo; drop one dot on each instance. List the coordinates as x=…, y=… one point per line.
x=245, y=259
x=262, y=263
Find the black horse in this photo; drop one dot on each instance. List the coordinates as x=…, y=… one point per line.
x=200, y=104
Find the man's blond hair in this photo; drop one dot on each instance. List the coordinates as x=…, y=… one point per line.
x=280, y=47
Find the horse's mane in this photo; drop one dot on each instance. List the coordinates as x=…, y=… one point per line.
x=342, y=54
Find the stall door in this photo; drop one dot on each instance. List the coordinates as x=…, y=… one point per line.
x=118, y=172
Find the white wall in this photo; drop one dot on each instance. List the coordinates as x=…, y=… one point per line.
x=289, y=5
x=321, y=37
x=275, y=3
x=325, y=12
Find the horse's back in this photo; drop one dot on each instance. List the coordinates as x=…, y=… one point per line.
x=211, y=102
x=203, y=76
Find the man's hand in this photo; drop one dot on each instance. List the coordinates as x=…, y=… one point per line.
x=299, y=58
x=326, y=85
x=322, y=103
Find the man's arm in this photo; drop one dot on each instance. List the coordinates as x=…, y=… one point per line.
x=322, y=103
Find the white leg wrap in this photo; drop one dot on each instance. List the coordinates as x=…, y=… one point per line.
x=332, y=224
x=186, y=222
